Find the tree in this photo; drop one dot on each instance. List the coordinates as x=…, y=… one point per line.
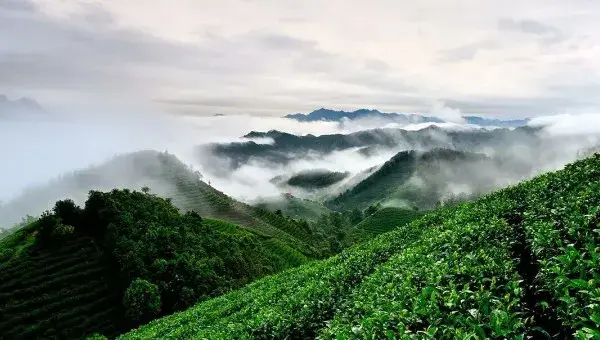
x=100, y=210
x=146, y=190
x=48, y=224
x=356, y=216
x=372, y=209
x=142, y=301
x=68, y=212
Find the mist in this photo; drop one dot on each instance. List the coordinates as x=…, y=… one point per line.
x=40, y=152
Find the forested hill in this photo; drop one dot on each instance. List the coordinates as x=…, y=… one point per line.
x=286, y=147
x=419, y=179
x=126, y=257
x=166, y=176
x=518, y=263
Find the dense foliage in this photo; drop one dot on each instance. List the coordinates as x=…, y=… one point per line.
x=521, y=262
x=60, y=291
x=316, y=179
x=141, y=301
x=419, y=179
x=150, y=239
x=287, y=147
x=387, y=219
x=133, y=255
x=299, y=208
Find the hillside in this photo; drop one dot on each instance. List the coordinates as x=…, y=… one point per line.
x=520, y=262
x=287, y=147
x=166, y=176
x=79, y=264
x=387, y=219
x=309, y=180
x=420, y=179
x=293, y=206
x=56, y=293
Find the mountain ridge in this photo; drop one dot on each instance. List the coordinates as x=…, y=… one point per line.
x=18, y=106
x=518, y=263
x=324, y=114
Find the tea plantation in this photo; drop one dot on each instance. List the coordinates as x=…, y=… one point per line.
x=521, y=262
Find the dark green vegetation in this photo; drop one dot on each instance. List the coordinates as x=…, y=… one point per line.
x=387, y=219
x=127, y=257
x=521, y=262
x=316, y=179
x=170, y=178
x=288, y=147
x=418, y=179
x=4, y=233
x=55, y=292
x=123, y=259
x=295, y=207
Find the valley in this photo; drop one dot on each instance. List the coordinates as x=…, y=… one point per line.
x=147, y=243
x=340, y=170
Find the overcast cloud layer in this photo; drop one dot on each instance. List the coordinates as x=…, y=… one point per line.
x=499, y=58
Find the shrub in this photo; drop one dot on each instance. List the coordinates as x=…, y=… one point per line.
x=68, y=212
x=48, y=224
x=142, y=301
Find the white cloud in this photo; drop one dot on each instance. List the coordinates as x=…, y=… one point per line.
x=272, y=57
x=569, y=124
x=446, y=113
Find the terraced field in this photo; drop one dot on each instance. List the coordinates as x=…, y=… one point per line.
x=387, y=219
x=418, y=179
x=519, y=263
x=70, y=286
x=295, y=207
x=58, y=293
x=287, y=256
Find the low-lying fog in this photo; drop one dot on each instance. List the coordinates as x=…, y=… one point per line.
x=38, y=151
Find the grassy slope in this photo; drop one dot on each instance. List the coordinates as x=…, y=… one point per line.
x=387, y=219
x=55, y=293
x=480, y=269
x=66, y=292
x=392, y=181
x=296, y=207
x=166, y=176
x=188, y=192
x=287, y=256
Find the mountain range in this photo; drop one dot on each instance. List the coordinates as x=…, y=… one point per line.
x=360, y=226
x=18, y=107
x=324, y=114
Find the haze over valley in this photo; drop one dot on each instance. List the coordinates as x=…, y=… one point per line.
x=277, y=170
x=244, y=164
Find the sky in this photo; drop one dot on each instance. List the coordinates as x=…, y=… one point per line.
x=500, y=58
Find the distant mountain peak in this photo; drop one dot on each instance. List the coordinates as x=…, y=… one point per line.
x=19, y=106
x=324, y=114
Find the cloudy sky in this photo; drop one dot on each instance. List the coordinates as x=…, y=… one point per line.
x=500, y=58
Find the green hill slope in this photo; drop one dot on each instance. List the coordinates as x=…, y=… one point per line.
x=55, y=292
x=520, y=262
x=168, y=177
x=413, y=178
x=295, y=207
x=66, y=275
x=387, y=219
